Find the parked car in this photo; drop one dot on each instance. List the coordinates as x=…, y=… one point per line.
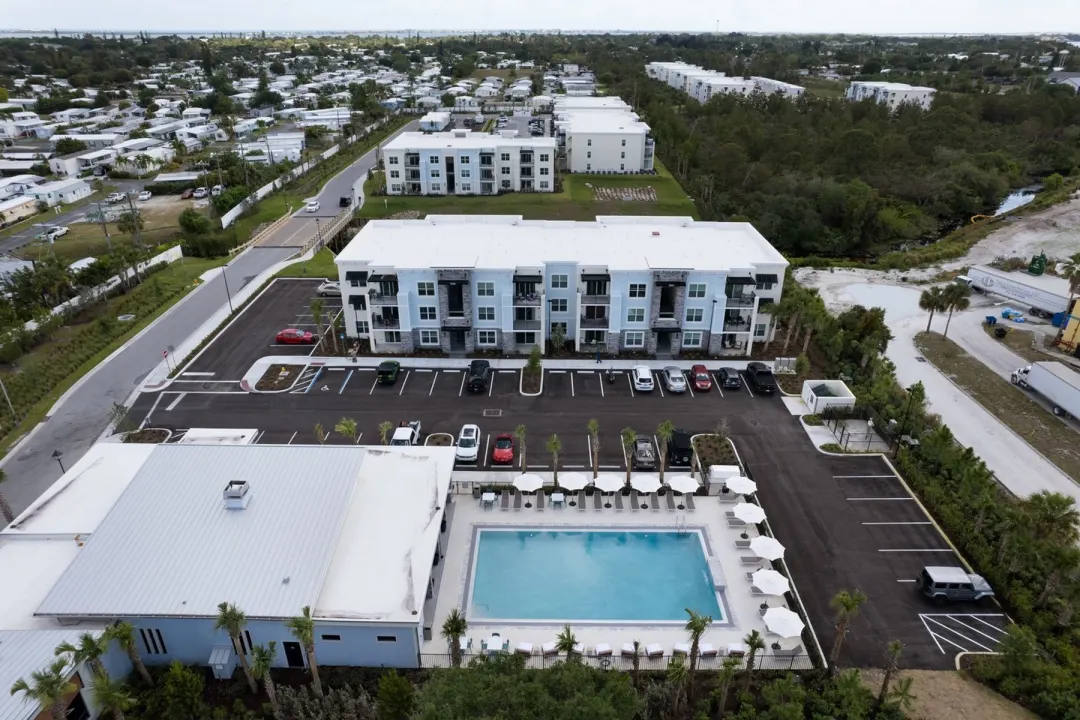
x=312, y=206
x=145, y=195
x=330, y=287
x=503, y=452
x=115, y=197
x=217, y=190
x=344, y=201
x=479, y=376
x=643, y=379
x=387, y=372
x=292, y=336
x=200, y=193
x=680, y=451
x=186, y=195
x=761, y=378
x=468, y=444
x=701, y=377
x=952, y=584
x=55, y=232
x=406, y=433
x=728, y=378
x=674, y=380
x=644, y=455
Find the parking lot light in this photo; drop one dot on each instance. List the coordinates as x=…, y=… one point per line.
x=56, y=456
x=225, y=277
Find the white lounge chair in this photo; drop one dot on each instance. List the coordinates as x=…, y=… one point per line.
x=654, y=650
x=707, y=650
x=579, y=649
x=682, y=649
x=628, y=650
x=603, y=649
x=550, y=648
x=524, y=648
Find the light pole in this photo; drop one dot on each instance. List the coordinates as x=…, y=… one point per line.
x=225, y=277
x=56, y=456
x=8, y=398
x=903, y=425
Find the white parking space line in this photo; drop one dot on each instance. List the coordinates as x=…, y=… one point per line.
x=373, y=384
x=630, y=383
x=747, y=385
x=572, y=393
x=197, y=374
x=359, y=437
x=152, y=409
x=907, y=580
x=347, y=379
x=434, y=380
x=659, y=385
x=175, y=402
x=954, y=631
x=487, y=444
x=956, y=619
x=921, y=522
x=625, y=456
x=202, y=382
x=462, y=388
x=403, y=382
x=602, y=381
x=293, y=437
x=491, y=384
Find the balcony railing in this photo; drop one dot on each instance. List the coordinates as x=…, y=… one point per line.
x=527, y=300
x=382, y=322
x=521, y=325
x=378, y=298
x=595, y=299
x=731, y=327
x=599, y=323
x=741, y=301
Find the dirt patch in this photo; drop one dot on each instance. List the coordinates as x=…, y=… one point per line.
x=149, y=436
x=626, y=194
x=945, y=695
x=715, y=450
x=279, y=377
x=439, y=440
x=530, y=382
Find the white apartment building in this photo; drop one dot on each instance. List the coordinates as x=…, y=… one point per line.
x=465, y=163
x=702, y=84
x=604, y=142
x=657, y=285
x=891, y=94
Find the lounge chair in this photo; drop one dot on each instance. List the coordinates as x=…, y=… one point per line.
x=504, y=502
x=603, y=650
x=797, y=650
x=730, y=514
x=635, y=500
x=541, y=498
x=654, y=501
x=517, y=499
x=707, y=650
x=729, y=497
x=742, y=544
x=551, y=647
x=581, y=499
x=750, y=560
x=466, y=644
x=750, y=576
x=756, y=591
x=689, y=501
x=523, y=648
x=579, y=649
x=654, y=650
x=598, y=501
x=682, y=649
x=617, y=497
x=669, y=497
x=628, y=650
x=735, y=523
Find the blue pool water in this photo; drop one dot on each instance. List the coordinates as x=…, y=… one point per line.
x=591, y=575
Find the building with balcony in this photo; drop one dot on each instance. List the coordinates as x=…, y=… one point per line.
x=653, y=285
x=465, y=163
x=892, y=94
x=703, y=85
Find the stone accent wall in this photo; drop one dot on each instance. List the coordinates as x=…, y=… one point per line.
x=470, y=341
x=506, y=342
x=650, y=342
x=676, y=344
x=444, y=341
x=680, y=304
x=614, y=342
x=410, y=341
x=444, y=302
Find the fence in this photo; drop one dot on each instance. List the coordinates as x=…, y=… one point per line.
x=764, y=660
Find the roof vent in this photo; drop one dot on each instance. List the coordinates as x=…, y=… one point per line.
x=237, y=494
x=656, y=233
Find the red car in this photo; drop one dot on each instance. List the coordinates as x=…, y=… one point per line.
x=701, y=377
x=503, y=452
x=293, y=336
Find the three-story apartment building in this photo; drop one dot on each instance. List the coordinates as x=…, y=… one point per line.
x=465, y=163
x=656, y=285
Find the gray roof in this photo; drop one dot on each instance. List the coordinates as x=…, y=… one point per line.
x=169, y=547
x=21, y=653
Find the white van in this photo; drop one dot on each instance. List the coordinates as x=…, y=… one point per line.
x=217, y=190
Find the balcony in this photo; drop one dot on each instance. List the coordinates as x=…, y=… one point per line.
x=456, y=322
x=385, y=323
x=412, y=174
x=745, y=300
x=377, y=298
x=595, y=299
x=528, y=300
x=595, y=323
x=526, y=325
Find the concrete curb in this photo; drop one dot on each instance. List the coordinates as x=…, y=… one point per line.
x=250, y=387
x=440, y=434
x=521, y=385
x=970, y=652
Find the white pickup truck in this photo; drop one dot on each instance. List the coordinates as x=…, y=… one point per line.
x=407, y=433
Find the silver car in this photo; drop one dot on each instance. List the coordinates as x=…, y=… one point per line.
x=674, y=380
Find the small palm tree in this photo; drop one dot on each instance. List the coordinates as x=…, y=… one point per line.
x=664, y=433
x=48, y=688
x=678, y=676
x=112, y=696
x=753, y=642
x=384, y=431
x=317, y=306
x=957, y=297
x=901, y=696
x=346, y=427
x=320, y=434
x=5, y=509
x=696, y=626
x=635, y=665
x=594, y=446
x=303, y=629
x=932, y=301
x=629, y=439
x=554, y=447
x=728, y=670
x=565, y=642
x=232, y=620
x=847, y=605
x=124, y=635
x=453, y=628
x=89, y=651
x=262, y=661
x=892, y=658
x=519, y=435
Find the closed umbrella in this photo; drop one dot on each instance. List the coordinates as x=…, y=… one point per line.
x=749, y=513
x=528, y=482
x=573, y=481
x=683, y=484
x=606, y=482
x=645, y=483
x=767, y=547
x=742, y=485
x=783, y=622
x=770, y=582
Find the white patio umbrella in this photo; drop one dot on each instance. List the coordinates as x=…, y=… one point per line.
x=645, y=483
x=770, y=582
x=742, y=485
x=573, y=481
x=528, y=482
x=607, y=482
x=749, y=513
x=495, y=643
x=783, y=622
x=767, y=547
x=683, y=484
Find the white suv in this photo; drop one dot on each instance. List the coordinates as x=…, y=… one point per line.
x=643, y=379
x=468, y=444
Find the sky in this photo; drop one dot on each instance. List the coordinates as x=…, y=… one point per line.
x=795, y=16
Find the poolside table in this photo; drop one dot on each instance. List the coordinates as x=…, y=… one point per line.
x=487, y=499
x=558, y=499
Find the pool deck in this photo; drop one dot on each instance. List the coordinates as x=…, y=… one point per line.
x=740, y=606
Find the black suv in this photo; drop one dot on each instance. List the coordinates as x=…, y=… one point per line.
x=680, y=450
x=479, y=376
x=761, y=377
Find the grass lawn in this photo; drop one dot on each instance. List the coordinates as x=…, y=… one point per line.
x=44, y=217
x=1043, y=431
x=268, y=210
x=822, y=87
x=320, y=266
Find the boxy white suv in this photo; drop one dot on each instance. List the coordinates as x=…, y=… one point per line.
x=468, y=444
x=643, y=378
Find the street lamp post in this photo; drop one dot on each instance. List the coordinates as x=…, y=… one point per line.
x=903, y=425
x=56, y=456
x=8, y=398
x=225, y=277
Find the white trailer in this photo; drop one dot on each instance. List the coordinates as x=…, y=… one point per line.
x=1055, y=382
x=1049, y=294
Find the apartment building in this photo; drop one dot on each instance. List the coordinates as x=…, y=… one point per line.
x=656, y=285
x=703, y=85
x=892, y=94
x=465, y=163
x=601, y=135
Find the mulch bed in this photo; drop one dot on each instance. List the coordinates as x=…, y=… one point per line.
x=150, y=436
x=715, y=450
x=440, y=440
x=629, y=194
x=279, y=377
x=530, y=383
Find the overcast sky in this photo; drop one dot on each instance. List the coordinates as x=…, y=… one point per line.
x=866, y=16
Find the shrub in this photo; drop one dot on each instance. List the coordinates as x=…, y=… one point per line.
x=194, y=222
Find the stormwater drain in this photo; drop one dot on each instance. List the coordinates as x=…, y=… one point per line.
x=125, y=318
x=920, y=358
x=493, y=413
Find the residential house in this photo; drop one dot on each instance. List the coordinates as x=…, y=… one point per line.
x=94, y=141
x=60, y=192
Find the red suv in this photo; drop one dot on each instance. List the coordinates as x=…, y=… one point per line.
x=701, y=377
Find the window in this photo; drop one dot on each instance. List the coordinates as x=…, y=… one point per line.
x=544, y=157
x=154, y=643
x=465, y=174
x=595, y=337
x=525, y=338
x=362, y=327
x=635, y=339
x=588, y=154
x=466, y=187
x=395, y=188
x=695, y=290
x=464, y=160
x=622, y=167
x=558, y=326
x=694, y=315
x=691, y=339
x=435, y=173
x=394, y=160
x=386, y=638
x=505, y=157
x=765, y=282
x=559, y=281
x=395, y=173
x=558, y=305
x=588, y=167
x=637, y=290
x=624, y=142
x=433, y=159
x=485, y=313
x=436, y=187
x=622, y=155
x=330, y=638
x=425, y=289
x=590, y=142
x=543, y=184
x=485, y=337
x=760, y=329
x=506, y=184
x=485, y=289
x=429, y=337
x=392, y=336
x=427, y=312
x=635, y=315
x=504, y=170
x=545, y=171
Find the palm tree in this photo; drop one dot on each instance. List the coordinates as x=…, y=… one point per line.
x=565, y=642
x=453, y=628
x=554, y=446
x=48, y=688
x=629, y=440
x=1053, y=515
x=346, y=427
x=635, y=665
x=124, y=635
x=594, y=445
x=664, y=432
x=263, y=657
x=678, y=676
x=932, y=301
x=89, y=651
x=728, y=670
x=892, y=658
x=753, y=642
x=696, y=627
x=1071, y=272
x=317, y=306
x=957, y=297
x=5, y=509
x=847, y=605
x=901, y=696
x=232, y=620
x=303, y=629
x=519, y=435
x=321, y=434
x=112, y=696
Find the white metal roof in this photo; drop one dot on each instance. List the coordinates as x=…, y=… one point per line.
x=21, y=653
x=508, y=241
x=462, y=140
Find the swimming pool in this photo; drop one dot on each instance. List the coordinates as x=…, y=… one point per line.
x=594, y=575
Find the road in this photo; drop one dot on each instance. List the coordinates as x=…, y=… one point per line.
x=76, y=424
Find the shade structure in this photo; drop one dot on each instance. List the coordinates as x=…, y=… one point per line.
x=683, y=484
x=783, y=622
x=573, y=481
x=607, y=482
x=528, y=482
x=770, y=582
x=749, y=513
x=767, y=547
x=645, y=483
x=742, y=485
